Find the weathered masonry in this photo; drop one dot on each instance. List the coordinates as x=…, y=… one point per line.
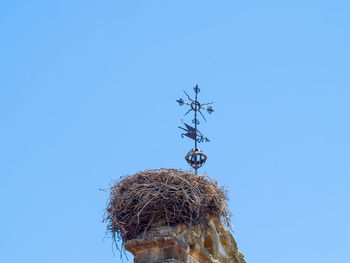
x=182, y=245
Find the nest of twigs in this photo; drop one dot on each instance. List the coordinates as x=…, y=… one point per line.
x=166, y=196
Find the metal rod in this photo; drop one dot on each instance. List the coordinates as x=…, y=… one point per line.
x=194, y=157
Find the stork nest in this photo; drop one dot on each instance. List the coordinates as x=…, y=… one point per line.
x=167, y=197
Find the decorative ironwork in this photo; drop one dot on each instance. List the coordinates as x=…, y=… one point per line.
x=195, y=157
x=193, y=134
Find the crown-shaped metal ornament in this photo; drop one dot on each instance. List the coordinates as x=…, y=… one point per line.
x=195, y=157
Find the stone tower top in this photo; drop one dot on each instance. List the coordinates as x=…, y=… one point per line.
x=171, y=215
x=183, y=245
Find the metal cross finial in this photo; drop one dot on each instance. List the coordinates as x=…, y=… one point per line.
x=195, y=158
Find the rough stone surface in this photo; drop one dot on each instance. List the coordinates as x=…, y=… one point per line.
x=181, y=245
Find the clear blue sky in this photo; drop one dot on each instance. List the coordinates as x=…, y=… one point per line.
x=87, y=94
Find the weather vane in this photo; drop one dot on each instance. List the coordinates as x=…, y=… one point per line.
x=195, y=157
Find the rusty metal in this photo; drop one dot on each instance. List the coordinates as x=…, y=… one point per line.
x=195, y=157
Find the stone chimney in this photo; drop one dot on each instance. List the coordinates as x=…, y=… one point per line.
x=179, y=244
